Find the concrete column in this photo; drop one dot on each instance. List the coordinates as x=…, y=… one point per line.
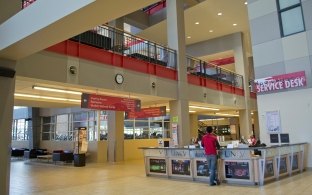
x=7, y=87
x=176, y=40
x=9, y=8
x=194, y=125
x=242, y=68
x=115, y=138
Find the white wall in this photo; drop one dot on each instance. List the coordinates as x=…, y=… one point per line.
x=296, y=116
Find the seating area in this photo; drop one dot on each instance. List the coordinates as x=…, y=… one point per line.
x=33, y=153
x=94, y=39
x=18, y=152
x=62, y=156
x=146, y=58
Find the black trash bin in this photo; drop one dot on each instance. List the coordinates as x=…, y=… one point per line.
x=79, y=160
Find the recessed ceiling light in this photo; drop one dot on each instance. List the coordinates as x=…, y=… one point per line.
x=210, y=31
x=220, y=14
x=196, y=22
x=234, y=24
x=188, y=37
x=246, y=3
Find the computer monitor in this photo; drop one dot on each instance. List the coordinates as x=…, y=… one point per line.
x=274, y=138
x=284, y=138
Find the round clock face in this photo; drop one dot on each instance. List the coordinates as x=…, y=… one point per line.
x=119, y=78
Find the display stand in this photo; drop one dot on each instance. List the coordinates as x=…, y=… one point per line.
x=80, y=147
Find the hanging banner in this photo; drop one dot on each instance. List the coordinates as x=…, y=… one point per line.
x=100, y=102
x=147, y=112
x=280, y=82
x=174, y=134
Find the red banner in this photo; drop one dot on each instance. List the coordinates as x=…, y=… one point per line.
x=147, y=112
x=280, y=82
x=100, y=102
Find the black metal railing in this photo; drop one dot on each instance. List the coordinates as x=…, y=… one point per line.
x=26, y=3
x=115, y=40
x=205, y=69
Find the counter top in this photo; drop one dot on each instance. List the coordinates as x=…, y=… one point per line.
x=247, y=148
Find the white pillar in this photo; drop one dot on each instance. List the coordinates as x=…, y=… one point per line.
x=176, y=40
x=242, y=68
x=7, y=87
x=115, y=138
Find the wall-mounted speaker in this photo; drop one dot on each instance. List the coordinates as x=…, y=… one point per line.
x=6, y=72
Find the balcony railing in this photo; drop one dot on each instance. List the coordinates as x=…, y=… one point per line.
x=204, y=69
x=118, y=41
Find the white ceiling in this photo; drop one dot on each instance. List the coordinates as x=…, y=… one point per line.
x=234, y=11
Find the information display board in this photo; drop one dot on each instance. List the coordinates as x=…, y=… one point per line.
x=295, y=165
x=269, y=168
x=157, y=166
x=181, y=167
x=202, y=168
x=237, y=170
x=283, y=165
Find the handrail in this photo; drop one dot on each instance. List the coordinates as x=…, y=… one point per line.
x=206, y=69
x=124, y=43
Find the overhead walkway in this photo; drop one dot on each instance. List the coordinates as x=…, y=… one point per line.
x=45, y=23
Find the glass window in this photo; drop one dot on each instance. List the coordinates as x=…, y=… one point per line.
x=287, y=3
x=148, y=128
x=292, y=21
x=20, y=129
x=103, y=125
x=290, y=16
x=48, y=128
x=61, y=132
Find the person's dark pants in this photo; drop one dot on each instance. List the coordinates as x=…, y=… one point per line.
x=212, y=162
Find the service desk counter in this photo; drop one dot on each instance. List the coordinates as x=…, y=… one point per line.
x=246, y=166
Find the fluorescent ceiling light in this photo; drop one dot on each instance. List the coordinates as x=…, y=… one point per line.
x=57, y=90
x=45, y=97
x=210, y=31
x=192, y=111
x=211, y=119
x=204, y=108
x=224, y=114
x=246, y=3
x=234, y=24
x=220, y=14
x=188, y=37
x=167, y=109
x=196, y=22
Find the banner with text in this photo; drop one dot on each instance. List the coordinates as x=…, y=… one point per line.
x=100, y=102
x=147, y=112
x=280, y=82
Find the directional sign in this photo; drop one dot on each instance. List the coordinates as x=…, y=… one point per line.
x=100, y=102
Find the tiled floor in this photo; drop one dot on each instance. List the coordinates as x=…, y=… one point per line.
x=28, y=178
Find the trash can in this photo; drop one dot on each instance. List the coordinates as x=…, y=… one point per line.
x=79, y=160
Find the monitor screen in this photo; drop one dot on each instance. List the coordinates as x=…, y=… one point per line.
x=284, y=138
x=274, y=138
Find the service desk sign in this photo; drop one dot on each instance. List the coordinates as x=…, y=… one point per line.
x=281, y=82
x=100, y=102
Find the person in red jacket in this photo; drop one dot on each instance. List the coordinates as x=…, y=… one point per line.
x=211, y=144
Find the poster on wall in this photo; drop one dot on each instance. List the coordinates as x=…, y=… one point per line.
x=273, y=122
